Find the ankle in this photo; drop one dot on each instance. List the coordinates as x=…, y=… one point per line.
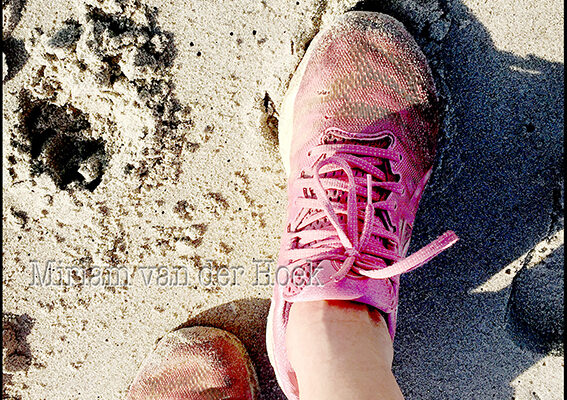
x=337, y=330
x=340, y=349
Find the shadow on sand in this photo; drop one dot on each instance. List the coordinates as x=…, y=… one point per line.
x=498, y=184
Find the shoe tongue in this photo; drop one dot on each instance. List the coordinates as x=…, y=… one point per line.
x=375, y=139
x=379, y=140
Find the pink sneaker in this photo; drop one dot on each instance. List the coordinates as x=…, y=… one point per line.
x=359, y=127
x=197, y=363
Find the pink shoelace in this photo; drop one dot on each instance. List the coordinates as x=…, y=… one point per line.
x=364, y=254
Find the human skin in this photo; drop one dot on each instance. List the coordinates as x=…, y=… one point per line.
x=340, y=350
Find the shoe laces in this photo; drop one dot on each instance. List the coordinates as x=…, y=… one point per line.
x=371, y=251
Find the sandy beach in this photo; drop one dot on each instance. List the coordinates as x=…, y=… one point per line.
x=140, y=159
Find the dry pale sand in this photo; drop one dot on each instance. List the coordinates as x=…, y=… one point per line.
x=143, y=134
